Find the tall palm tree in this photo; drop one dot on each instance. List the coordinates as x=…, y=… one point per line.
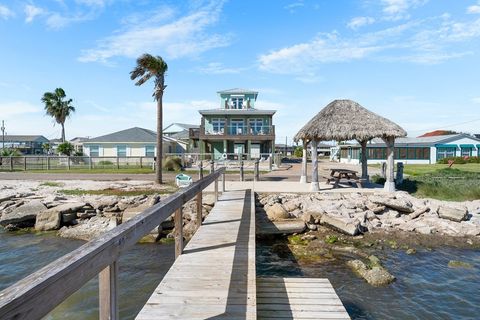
x=58, y=108
x=147, y=67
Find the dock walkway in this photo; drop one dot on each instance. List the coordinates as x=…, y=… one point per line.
x=214, y=278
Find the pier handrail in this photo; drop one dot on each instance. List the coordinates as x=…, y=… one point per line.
x=37, y=294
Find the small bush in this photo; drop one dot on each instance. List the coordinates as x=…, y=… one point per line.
x=331, y=239
x=377, y=179
x=172, y=164
x=298, y=152
x=459, y=160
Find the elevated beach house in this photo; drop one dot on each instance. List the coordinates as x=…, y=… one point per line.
x=419, y=150
x=237, y=127
x=25, y=144
x=133, y=142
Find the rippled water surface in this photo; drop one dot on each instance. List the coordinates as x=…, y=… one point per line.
x=426, y=288
x=141, y=269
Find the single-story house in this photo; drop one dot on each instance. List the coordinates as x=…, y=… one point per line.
x=133, y=142
x=26, y=144
x=409, y=150
x=187, y=133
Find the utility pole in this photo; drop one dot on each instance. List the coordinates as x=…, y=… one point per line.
x=285, y=146
x=3, y=134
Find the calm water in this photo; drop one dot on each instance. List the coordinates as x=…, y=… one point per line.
x=141, y=269
x=426, y=288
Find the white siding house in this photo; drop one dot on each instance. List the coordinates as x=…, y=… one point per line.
x=421, y=150
x=133, y=142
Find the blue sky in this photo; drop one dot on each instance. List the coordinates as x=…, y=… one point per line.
x=416, y=62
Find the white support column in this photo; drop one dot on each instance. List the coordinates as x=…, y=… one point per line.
x=303, y=177
x=314, y=184
x=390, y=182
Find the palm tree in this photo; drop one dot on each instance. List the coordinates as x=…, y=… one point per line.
x=57, y=107
x=147, y=67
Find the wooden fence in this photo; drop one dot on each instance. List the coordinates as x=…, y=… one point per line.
x=36, y=295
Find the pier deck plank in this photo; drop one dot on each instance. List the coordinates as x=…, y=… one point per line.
x=215, y=276
x=298, y=298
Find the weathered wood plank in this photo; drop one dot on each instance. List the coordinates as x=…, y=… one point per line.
x=108, y=292
x=298, y=298
x=215, y=276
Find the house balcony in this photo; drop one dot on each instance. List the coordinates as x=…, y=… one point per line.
x=238, y=133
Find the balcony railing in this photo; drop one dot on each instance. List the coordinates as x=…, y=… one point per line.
x=241, y=131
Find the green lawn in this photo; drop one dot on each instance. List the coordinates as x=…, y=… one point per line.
x=421, y=169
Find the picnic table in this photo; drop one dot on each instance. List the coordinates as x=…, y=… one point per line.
x=349, y=176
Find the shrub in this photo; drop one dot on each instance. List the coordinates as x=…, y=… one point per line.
x=9, y=153
x=65, y=148
x=298, y=152
x=377, y=179
x=459, y=160
x=172, y=164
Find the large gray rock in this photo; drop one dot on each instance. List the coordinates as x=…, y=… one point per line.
x=277, y=212
x=88, y=230
x=281, y=227
x=347, y=226
x=23, y=213
x=374, y=274
x=51, y=219
x=452, y=213
x=402, y=205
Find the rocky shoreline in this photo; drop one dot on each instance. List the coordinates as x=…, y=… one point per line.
x=84, y=217
x=355, y=228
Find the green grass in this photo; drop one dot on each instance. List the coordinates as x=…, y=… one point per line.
x=421, y=169
x=52, y=184
x=97, y=171
x=444, y=184
x=118, y=192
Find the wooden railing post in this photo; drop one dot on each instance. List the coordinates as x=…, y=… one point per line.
x=48, y=163
x=223, y=182
x=212, y=166
x=118, y=163
x=178, y=232
x=216, y=189
x=25, y=163
x=141, y=162
x=90, y=164
x=68, y=162
x=241, y=170
x=108, y=292
x=11, y=163
x=199, y=209
x=256, y=171
x=200, y=171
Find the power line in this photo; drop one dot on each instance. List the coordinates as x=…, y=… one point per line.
x=447, y=126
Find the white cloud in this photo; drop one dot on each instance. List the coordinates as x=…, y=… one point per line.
x=474, y=9
x=93, y=3
x=358, y=22
x=59, y=21
x=219, y=68
x=427, y=41
x=14, y=108
x=185, y=36
x=31, y=12
x=5, y=12
x=398, y=9
x=294, y=5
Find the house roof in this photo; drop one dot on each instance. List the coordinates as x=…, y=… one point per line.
x=426, y=141
x=436, y=133
x=134, y=134
x=238, y=90
x=250, y=111
x=25, y=138
x=183, y=126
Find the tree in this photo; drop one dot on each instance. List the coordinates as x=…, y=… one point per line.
x=57, y=107
x=46, y=148
x=298, y=152
x=65, y=148
x=147, y=67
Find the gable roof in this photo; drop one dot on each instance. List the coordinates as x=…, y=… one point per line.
x=25, y=138
x=182, y=126
x=237, y=90
x=426, y=140
x=134, y=134
x=436, y=133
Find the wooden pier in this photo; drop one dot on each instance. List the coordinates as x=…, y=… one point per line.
x=213, y=277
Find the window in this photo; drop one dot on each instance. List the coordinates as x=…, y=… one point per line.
x=218, y=125
x=94, y=151
x=149, y=151
x=237, y=127
x=121, y=151
x=256, y=126
x=237, y=103
x=466, y=152
x=445, y=153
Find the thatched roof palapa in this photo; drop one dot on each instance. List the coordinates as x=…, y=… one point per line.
x=348, y=120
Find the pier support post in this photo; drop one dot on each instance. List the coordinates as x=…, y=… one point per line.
x=256, y=171
x=241, y=170
x=199, y=209
x=108, y=303
x=303, y=177
x=178, y=232
x=314, y=184
x=216, y=189
x=25, y=163
x=200, y=171
x=223, y=182
x=390, y=183
x=212, y=166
